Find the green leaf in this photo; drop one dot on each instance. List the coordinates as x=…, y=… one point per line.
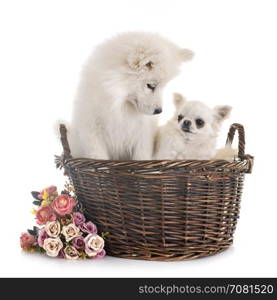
x=36, y=230
x=35, y=195
x=104, y=234
x=31, y=232
x=37, y=202
x=41, y=250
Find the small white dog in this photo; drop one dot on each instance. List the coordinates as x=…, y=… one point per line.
x=119, y=94
x=192, y=132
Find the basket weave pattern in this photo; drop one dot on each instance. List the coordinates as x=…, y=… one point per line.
x=161, y=210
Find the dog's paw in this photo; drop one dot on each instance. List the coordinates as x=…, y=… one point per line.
x=226, y=153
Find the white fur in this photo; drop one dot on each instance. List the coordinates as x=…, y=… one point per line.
x=226, y=153
x=172, y=142
x=113, y=111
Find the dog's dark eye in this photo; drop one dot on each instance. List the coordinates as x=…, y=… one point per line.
x=151, y=86
x=199, y=122
x=149, y=65
x=180, y=117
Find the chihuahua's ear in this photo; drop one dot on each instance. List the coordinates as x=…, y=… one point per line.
x=186, y=54
x=178, y=100
x=222, y=112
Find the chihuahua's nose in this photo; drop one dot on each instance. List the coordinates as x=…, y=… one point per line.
x=186, y=124
x=157, y=111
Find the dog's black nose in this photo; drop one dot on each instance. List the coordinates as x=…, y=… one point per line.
x=186, y=124
x=157, y=111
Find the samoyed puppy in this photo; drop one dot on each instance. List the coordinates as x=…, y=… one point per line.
x=120, y=95
x=192, y=132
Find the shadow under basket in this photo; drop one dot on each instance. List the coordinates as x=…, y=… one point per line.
x=161, y=209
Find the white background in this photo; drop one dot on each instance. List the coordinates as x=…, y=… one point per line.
x=43, y=45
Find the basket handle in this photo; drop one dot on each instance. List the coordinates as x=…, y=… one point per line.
x=64, y=141
x=240, y=129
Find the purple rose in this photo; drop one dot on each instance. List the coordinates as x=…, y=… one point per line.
x=101, y=254
x=61, y=254
x=41, y=237
x=78, y=242
x=79, y=219
x=89, y=227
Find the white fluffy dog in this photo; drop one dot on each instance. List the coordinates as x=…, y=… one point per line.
x=192, y=132
x=119, y=94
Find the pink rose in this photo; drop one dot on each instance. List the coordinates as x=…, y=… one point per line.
x=41, y=237
x=50, y=190
x=63, y=204
x=45, y=214
x=27, y=240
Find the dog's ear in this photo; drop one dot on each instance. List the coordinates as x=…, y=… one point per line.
x=178, y=100
x=186, y=54
x=222, y=112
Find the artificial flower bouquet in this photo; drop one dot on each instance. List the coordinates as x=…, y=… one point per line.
x=65, y=233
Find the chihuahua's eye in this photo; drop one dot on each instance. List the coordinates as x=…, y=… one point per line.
x=180, y=117
x=151, y=86
x=199, y=122
x=149, y=65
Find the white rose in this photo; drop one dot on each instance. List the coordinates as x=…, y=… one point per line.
x=94, y=244
x=52, y=246
x=70, y=232
x=53, y=229
x=71, y=252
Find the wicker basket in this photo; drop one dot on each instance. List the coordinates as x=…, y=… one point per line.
x=161, y=210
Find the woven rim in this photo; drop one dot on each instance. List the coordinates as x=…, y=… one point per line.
x=244, y=164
